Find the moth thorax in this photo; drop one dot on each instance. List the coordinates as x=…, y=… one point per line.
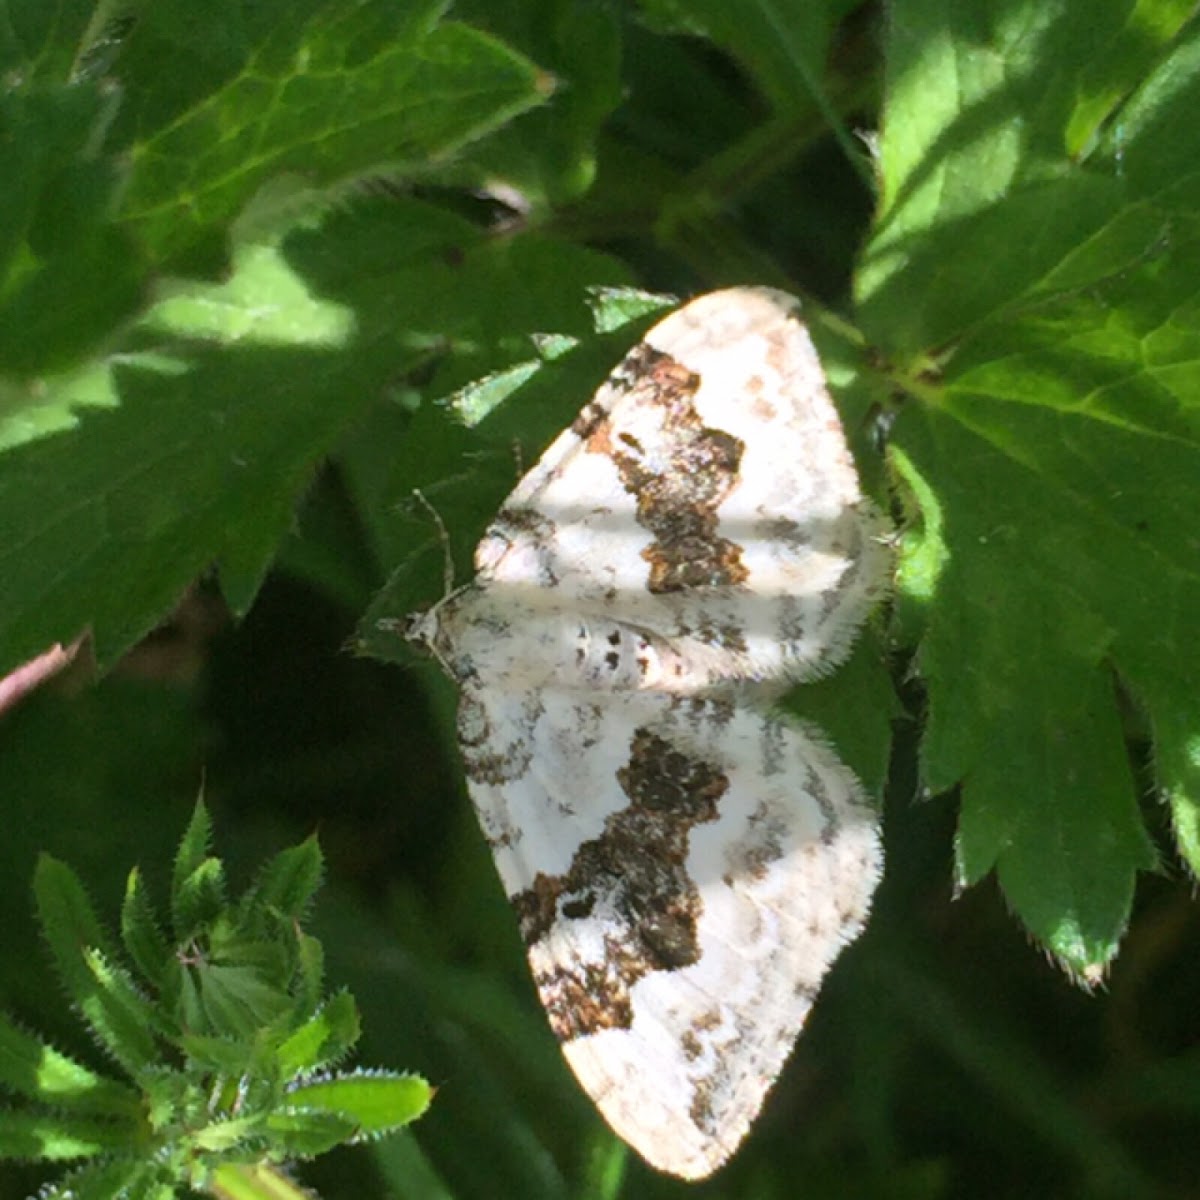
x=613, y=656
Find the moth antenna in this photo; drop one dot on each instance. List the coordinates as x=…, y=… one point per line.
x=444, y=536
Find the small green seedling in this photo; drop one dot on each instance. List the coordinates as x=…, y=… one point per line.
x=217, y=1022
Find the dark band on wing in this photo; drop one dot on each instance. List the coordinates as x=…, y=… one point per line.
x=678, y=469
x=631, y=884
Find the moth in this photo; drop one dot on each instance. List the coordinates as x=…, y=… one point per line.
x=685, y=863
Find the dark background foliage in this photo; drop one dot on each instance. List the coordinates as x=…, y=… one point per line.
x=246, y=249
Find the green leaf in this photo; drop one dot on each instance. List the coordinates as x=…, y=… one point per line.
x=324, y=1039
x=1128, y=45
x=233, y=998
x=140, y=932
x=68, y=922
x=782, y=44
x=193, y=850
x=43, y=41
x=922, y=549
x=250, y=384
x=607, y=1168
x=150, y=1187
x=549, y=157
x=958, y=171
x=304, y=1133
x=198, y=463
x=68, y=275
x=615, y=307
x=332, y=92
x=290, y=880
x=199, y=899
x=31, y=1068
x=105, y=1180
x=376, y=1101
x=1145, y=141
x=81, y=949
x=1052, y=800
x=224, y=1055
x=55, y=1137
x=228, y=1134
x=120, y=1016
x=310, y=974
x=172, y=1099
x=237, y=1181
x=1051, y=442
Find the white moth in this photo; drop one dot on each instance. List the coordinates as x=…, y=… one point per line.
x=685, y=864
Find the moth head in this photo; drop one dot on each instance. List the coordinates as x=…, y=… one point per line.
x=429, y=631
x=421, y=628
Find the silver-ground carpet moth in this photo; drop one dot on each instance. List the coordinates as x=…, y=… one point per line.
x=685, y=863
